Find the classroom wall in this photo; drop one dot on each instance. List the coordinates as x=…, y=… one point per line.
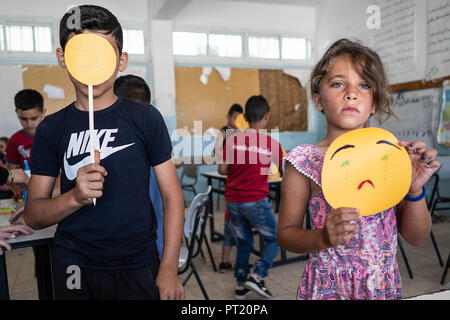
x=138, y=11
x=197, y=14
x=331, y=27
x=259, y=17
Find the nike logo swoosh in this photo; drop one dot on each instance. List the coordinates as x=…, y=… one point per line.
x=72, y=170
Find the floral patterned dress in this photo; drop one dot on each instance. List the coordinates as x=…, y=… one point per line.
x=364, y=267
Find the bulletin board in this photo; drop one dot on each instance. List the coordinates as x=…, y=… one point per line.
x=287, y=99
x=210, y=101
x=50, y=81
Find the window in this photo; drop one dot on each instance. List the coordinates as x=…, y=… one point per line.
x=28, y=38
x=2, y=38
x=263, y=47
x=295, y=48
x=190, y=43
x=42, y=39
x=133, y=41
x=225, y=45
x=246, y=46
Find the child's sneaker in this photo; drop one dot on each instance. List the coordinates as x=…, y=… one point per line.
x=256, y=283
x=241, y=292
x=225, y=266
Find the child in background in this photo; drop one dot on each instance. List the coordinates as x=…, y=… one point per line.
x=5, y=192
x=247, y=157
x=228, y=232
x=7, y=177
x=349, y=260
x=135, y=88
x=30, y=111
x=3, y=143
x=114, y=242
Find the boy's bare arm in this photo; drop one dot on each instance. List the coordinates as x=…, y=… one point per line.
x=41, y=210
x=223, y=168
x=173, y=206
x=15, y=188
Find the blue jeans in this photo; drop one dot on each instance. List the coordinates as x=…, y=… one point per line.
x=259, y=215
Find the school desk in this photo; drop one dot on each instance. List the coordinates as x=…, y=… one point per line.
x=274, y=185
x=200, y=160
x=39, y=237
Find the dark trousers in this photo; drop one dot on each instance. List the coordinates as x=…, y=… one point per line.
x=43, y=271
x=72, y=282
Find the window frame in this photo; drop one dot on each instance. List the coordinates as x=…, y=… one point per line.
x=144, y=28
x=264, y=35
x=308, y=46
x=29, y=55
x=243, y=41
x=191, y=31
x=245, y=59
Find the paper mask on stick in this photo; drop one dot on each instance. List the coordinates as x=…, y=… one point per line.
x=366, y=169
x=241, y=123
x=90, y=59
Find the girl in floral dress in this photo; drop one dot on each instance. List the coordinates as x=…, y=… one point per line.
x=350, y=256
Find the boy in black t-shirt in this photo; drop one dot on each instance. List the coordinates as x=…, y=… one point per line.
x=107, y=251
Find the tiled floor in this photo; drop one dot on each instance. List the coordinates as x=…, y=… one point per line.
x=282, y=280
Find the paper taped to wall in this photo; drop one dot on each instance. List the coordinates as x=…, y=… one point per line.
x=225, y=73
x=53, y=92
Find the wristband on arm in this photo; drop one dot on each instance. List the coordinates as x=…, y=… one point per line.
x=424, y=192
x=10, y=179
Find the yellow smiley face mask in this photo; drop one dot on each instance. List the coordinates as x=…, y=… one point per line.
x=366, y=169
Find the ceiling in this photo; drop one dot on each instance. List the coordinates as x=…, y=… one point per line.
x=300, y=3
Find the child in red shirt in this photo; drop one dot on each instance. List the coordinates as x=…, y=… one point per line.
x=30, y=111
x=247, y=159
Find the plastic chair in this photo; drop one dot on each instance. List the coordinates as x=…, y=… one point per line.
x=194, y=233
x=190, y=171
x=434, y=200
x=444, y=273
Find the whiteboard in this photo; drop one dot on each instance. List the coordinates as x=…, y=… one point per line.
x=438, y=24
x=418, y=116
x=10, y=83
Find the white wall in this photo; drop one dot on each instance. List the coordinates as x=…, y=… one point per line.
x=9, y=85
x=135, y=10
x=341, y=19
x=231, y=15
x=348, y=19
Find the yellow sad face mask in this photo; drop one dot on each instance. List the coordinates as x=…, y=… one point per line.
x=366, y=169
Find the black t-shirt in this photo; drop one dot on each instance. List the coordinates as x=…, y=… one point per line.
x=120, y=231
x=4, y=174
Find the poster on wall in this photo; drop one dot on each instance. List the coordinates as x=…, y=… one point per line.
x=444, y=119
x=438, y=25
x=396, y=39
